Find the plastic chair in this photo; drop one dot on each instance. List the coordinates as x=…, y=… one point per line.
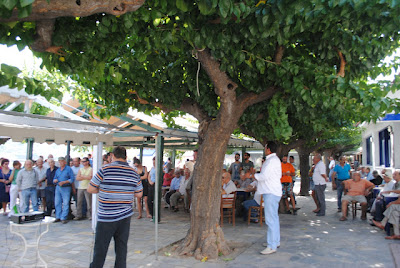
x=228, y=209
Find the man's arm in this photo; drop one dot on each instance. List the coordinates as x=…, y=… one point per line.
x=93, y=190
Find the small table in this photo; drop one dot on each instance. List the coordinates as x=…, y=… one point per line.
x=35, y=246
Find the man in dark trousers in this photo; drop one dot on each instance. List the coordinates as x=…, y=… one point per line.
x=117, y=184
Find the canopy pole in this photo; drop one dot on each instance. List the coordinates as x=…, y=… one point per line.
x=97, y=163
x=68, y=152
x=29, y=148
x=173, y=158
x=157, y=189
x=141, y=154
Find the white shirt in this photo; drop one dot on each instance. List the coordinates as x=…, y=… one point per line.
x=269, y=180
x=332, y=164
x=317, y=175
x=182, y=185
x=257, y=196
x=75, y=170
x=229, y=188
x=388, y=186
x=42, y=174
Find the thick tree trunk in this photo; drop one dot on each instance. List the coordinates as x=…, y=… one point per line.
x=304, y=155
x=205, y=237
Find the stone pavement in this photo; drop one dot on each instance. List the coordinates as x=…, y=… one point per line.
x=306, y=240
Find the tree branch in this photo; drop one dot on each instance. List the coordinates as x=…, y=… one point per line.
x=191, y=107
x=249, y=98
x=279, y=54
x=44, y=10
x=342, y=63
x=223, y=85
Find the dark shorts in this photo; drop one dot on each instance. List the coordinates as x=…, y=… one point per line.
x=145, y=185
x=41, y=193
x=287, y=189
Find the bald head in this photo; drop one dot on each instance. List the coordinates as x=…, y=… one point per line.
x=356, y=176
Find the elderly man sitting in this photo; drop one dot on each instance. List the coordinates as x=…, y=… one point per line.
x=378, y=205
x=355, y=190
x=228, y=186
x=392, y=212
x=174, y=185
x=181, y=192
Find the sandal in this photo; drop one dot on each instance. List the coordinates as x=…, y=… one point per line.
x=378, y=224
x=315, y=210
x=343, y=218
x=393, y=237
x=139, y=217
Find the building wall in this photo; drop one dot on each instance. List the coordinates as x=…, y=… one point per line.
x=373, y=130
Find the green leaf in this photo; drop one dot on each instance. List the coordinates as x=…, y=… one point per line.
x=182, y=5
x=9, y=4
x=25, y=3
x=9, y=70
x=224, y=7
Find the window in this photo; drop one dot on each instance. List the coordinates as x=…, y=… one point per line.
x=369, y=150
x=385, y=147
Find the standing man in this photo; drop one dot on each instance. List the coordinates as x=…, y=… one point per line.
x=320, y=179
x=247, y=164
x=332, y=164
x=117, y=184
x=287, y=184
x=343, y=173
x=64, y=178
x=234, y=169
x=27, y=180
x=269, y=185
x=41, y=171
x=50, y=186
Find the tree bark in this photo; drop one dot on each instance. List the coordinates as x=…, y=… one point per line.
x=45, y=10
x=304, y=155
x=205, y=237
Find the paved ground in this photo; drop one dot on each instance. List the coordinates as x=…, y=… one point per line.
x=306, y=240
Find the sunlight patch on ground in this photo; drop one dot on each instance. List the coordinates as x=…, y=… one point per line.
x=373, y=231
x=351, y=230
x=330, y=200
x=325, y=232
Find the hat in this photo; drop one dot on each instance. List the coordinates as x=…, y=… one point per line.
x=61, y=158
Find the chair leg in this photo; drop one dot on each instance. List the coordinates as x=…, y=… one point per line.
x=233, y=216
x=248, y=216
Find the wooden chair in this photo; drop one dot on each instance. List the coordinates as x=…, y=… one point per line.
x=228, y=209
x=260, y=213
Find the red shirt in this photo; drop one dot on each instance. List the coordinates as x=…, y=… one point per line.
x=167, y=179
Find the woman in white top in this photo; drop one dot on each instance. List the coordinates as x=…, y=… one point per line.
x=84, y=176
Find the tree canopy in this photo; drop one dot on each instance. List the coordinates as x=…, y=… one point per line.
x=216, y=59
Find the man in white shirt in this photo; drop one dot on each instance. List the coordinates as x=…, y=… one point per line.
x=319, y=179
x=228, y=186
x=269, y=185
x=41, y=171
x=332, y=164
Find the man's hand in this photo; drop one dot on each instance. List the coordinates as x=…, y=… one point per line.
x=55, y=181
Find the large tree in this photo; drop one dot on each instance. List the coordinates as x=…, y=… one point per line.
x=214, y=59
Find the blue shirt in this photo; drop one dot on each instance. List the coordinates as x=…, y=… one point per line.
x=117, y=183
x=153, y=175
x=65, y=175
x=175, y=183
x=50, y=176
x=343, y=173
x=370, y=176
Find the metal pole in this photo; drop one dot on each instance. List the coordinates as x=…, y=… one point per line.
x=157, y=189
x=97, y=163
x=29, y=148
x=141, y=154
x=173, y=158
x=68, y=152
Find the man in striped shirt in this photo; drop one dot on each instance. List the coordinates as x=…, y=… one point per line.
x=117, y=184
